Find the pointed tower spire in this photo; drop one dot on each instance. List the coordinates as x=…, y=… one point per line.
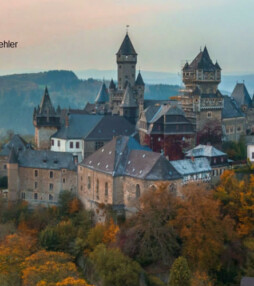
x=112, y=85
x=128, y=99
x=103, y=95
x=13, y=159
x=126, y=47
x=46, y=106
x=139, y=80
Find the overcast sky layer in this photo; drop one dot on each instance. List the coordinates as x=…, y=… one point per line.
x=86, y=34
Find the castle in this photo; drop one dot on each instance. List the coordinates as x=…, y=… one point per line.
x=111, y=151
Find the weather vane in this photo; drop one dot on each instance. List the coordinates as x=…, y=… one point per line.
x=127, y=27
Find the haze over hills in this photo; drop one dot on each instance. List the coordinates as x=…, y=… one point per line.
x=20, y=93
x=150, y=77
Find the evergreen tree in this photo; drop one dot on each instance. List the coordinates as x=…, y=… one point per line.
x=180, y=274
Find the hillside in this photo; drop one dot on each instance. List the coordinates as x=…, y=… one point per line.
x=20, y=93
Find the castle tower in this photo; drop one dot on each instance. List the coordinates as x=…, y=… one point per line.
x=102, y=100
x=201, y=100
x=13, y=176
x=203, y=73
x=46, y=121
x=140, y=91
x=126, y=59
x=129, y=106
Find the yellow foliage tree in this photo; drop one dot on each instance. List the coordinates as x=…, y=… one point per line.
x=49, y=268
x=110, y=232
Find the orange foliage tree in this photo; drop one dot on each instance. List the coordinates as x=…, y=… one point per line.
x=202, y=228
x=13, y=251
x=49, y=268
x=237, y=198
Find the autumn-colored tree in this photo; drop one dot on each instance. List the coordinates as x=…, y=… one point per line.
x=202, y=228
x=147, y=236
x=201, y=279
x=180, y=274
x=74, y=206
x=13, y=251
x=237, y=198
x=110, y=232
x=58, y=237
x=114, y=268
x=48, y=267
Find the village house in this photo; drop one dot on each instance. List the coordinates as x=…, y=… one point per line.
x=38, y=176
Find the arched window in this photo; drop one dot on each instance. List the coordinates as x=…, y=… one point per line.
x=172, y=188
x=106, y=189
x=97, y=189
x=137, y=191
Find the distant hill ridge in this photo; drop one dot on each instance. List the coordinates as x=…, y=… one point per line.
x=20, y=93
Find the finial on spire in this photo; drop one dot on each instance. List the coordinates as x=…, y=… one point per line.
x=127, y=29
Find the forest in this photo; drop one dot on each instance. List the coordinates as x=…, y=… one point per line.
x=204, y=237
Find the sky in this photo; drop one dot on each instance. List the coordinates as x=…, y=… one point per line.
x=86, y=34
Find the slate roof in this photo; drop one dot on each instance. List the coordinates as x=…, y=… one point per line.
x=204, y=151
x=247, y=281
x=46, y=106
x=189, y=166
x=13, y=158
x=124, y=156
x=202, y=61
x=126, y=47
x=110, y=126
x=45, y=159
x=241, y=95
x=103, y=95
x=80, y=125
x=128, y=99
x=153, y=113
x=112, y=84
x=230, y=108
x=139, y=80
x=17, y=142
x=152, y=102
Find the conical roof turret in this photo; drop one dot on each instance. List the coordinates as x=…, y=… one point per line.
x=103, y=95
x=126, y=47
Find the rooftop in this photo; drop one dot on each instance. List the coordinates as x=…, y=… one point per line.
x=124, y=156
x=204, y=151
x=241, y=95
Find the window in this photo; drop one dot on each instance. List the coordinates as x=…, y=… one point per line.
x=137, y=191
x=77, y=145
x=5, y=166
x=89, y=182
x=252, y=155
x=52, y=142
x=58, y=143
x=75, y=159
x=98, y=145
x=35, y=185
x=23, y=196
x=214, y=160
x=36, y=173
x=106, y=189
x=81, y=188
x=97, y=190
x=51, y=174
x=71, y=145
x=35, y=196
x=222, y=159
x=209, y=114
x=63, y=180
x=50, y=197
x=51, y=187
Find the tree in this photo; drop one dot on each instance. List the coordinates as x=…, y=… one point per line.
x=148, y=236
x=49, y=268
x=114, y=268
x=237, y=198
x=202, y=228
x=180, y=274
x=13, y=251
